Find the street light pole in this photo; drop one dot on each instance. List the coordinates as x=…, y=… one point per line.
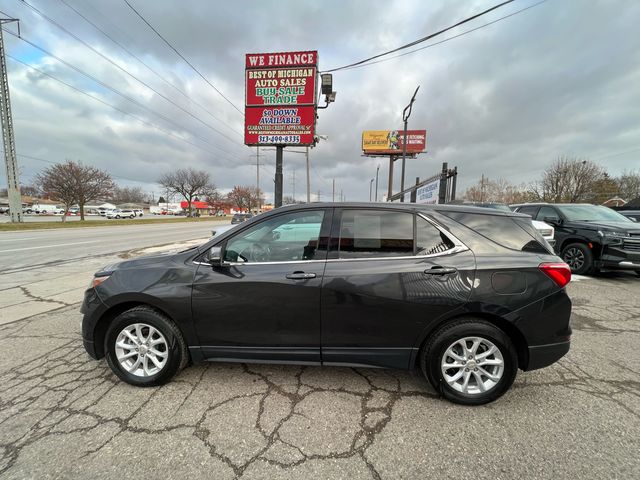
x=377, y=171
x=406, y=113
x=370, y=185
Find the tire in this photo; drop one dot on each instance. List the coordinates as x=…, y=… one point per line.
x=579, y=258
x=158, y=327
x=439, y=346
x=638, y=273
x=118, y=216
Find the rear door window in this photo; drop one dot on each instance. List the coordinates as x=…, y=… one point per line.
x=375, y=234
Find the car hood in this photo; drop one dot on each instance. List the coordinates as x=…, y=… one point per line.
x=600, y=225
x=145, y=261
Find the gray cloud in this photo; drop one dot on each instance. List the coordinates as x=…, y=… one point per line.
x=560, y=78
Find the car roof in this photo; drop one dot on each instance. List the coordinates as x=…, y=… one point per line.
x=418, y=207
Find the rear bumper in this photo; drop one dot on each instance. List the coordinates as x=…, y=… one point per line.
x=541, y=356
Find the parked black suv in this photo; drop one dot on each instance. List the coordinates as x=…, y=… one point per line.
x=467, y=295
x=590, y=237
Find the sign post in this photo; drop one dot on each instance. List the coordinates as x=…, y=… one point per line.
x=280, y=103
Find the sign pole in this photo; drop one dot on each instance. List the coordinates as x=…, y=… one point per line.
x=277, y=201
x=308, y=178
x=392, y=158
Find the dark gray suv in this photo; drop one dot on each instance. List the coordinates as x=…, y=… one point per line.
x=465, y=295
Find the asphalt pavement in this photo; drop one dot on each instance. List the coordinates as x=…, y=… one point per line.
x=64, y=415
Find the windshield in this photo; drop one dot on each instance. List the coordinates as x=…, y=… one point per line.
x=591, y=213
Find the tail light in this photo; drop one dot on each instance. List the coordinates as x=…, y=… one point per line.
x=560, y=273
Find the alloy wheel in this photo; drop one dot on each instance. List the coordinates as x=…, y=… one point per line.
x=141, y=350
x=574, y=257
x=472, y=365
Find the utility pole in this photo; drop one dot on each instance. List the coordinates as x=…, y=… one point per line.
x=370, y=185
x=293, y=181
x=11, y=162
x=341, y=196
x=318, y=196
x=333, y=191
x=406, y=113
x=482, y=189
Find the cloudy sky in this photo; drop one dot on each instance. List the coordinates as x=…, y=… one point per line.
x=559, y=78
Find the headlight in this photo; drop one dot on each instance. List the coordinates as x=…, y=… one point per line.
x=612, y=234
x=95, y=281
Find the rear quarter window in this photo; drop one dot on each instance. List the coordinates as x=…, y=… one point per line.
x=515, y=233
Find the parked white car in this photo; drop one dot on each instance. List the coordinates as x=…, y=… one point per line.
x=117, y=213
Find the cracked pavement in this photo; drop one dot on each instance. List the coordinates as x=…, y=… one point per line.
x=64, y=415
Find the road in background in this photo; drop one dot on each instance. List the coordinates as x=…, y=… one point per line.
x=29, y=249
x=76, y=218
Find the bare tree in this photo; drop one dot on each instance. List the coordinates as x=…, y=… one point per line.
x=128, y=195
x=568, y=180
x=58, y=182
x=499, y=191
x=241, y=197
x=189, y=183
x=629, y=184
x=91, y=184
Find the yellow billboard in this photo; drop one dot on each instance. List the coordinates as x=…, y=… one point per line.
x=391, y=141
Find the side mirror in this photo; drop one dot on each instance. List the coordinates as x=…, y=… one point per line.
x=214, y=257
x=552, y=220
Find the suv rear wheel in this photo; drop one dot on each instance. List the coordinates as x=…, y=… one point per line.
x=144, y=347
x=579, y=258
x=470, y=362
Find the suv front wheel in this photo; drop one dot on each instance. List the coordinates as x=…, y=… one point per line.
x=579, y=258
x=144, y=347
x=470, y=362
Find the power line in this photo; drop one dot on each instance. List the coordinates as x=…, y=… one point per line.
x=183, y=58
x=617, y=154
x=125, y=71
x=420, y=40
x=448, y=38
x=167, y=132
x=117, y=92
x=56, y=163
x=167, y=82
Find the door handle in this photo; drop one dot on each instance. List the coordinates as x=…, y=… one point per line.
x=300, y=276
x=440, y=270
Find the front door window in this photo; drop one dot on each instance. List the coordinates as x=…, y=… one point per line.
x=283, y=238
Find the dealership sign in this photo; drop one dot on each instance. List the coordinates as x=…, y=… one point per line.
x=390, y=142
x=280, y=98
x=428, y=193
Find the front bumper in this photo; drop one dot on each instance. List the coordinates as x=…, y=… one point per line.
x=623, y=255
x=92, y=309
